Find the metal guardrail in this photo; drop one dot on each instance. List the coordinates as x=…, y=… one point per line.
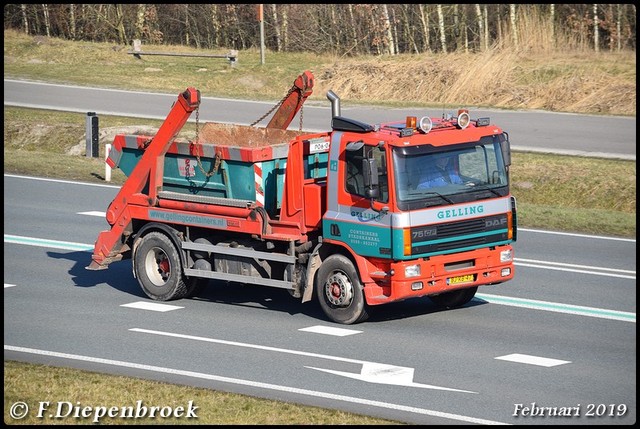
x=231, y=56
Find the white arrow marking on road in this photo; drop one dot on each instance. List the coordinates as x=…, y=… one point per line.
x=387, y=374
x=372, y=372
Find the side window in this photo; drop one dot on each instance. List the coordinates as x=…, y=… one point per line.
x=354, y=176
x=383, y=182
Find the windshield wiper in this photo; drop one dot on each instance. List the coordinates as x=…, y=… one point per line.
x=438, y=194
x=484, y=188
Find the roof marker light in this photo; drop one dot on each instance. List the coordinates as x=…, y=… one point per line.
x=463, y=118
x=425, y=124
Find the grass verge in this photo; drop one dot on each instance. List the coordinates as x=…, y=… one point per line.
x=69, y=391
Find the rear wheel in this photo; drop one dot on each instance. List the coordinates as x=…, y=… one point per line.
x=340, y=292
x=456, y=298
x=158, y=268
x=195, y=285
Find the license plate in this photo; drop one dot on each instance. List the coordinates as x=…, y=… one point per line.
x=461, y=279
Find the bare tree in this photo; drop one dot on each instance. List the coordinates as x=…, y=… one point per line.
x=424, y=20
x=387, y=26
x=345, y=29
x=187, y=40
x=376, y=39
x=352, y=25
x=141, y=12
x=552, y=23
x=443, y=36
x=457, y=31
x=285, y=28
x=122, y=35
x=394, y=31
x=618, y=27
x=480, y=27
x=72, y=21
x=23, y=8
x=47, y=21
x=486, y=27
x=215, y=25
x=596, y=41
x=465, y=33
x=514, y=25
x=276, y=27
x=408, y=30
x=334, y=34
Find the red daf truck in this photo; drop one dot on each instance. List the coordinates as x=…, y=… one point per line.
x=344, y=216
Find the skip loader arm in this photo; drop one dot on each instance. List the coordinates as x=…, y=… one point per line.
x=149, y=169
x=292, y=103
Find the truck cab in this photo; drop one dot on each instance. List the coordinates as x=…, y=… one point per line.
x=408, y=227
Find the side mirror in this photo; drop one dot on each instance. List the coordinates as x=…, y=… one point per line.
x=370, y=172
x=505, y=147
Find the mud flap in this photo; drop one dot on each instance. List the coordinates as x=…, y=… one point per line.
x=312, y=266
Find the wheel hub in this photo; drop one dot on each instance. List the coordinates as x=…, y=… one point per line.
x=339, y=290
x=158, y=267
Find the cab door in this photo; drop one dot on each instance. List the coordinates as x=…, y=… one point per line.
x=351, y=218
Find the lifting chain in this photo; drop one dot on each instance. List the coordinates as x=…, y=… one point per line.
x=216, y=163
x=195, y=148
x=278, y=104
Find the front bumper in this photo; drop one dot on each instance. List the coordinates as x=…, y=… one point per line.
x=439, y=274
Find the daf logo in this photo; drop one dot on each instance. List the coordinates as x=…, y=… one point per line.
x=490, y=223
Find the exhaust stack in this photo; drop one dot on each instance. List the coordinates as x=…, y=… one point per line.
x=335, y=103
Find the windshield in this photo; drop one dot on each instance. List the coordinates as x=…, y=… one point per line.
x=427, y=176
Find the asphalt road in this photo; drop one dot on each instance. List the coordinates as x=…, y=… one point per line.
x=537, y=131
x=559, y=338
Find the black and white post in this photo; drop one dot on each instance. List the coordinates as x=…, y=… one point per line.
x=92, y=135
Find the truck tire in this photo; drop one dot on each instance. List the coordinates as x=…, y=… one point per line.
x=456, y=298
x=195, y=285
x=158, y=268
x=340, y=292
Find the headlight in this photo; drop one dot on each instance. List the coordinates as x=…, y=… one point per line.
x=412, y=271
x=506, y=255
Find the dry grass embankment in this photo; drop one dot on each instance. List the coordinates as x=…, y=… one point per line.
x=499, y=78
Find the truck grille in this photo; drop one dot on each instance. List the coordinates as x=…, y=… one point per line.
x=462, y=235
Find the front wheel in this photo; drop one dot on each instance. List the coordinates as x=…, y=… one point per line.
x=158, y=268
x=456, y=298
x=340, y=292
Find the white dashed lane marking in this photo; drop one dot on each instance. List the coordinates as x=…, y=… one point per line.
x=532, y=360
x=326, y=330
x=93, y=213
x=152, y=306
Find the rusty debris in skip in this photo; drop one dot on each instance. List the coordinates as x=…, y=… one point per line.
x=243, y=135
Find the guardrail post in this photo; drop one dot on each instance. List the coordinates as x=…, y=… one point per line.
x=137, y=43
x=233, y=57
x=92, y=135
x=107, y=168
